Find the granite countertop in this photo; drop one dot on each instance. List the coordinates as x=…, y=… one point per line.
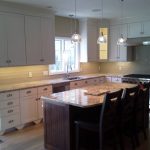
x=23, y=85
x=87, y=96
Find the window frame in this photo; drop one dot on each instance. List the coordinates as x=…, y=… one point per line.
x=64, y=71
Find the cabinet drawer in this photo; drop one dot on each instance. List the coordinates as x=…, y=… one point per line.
x=9, y=95
x=10, y=121
x=76, y=84
x=9, y=111
x=9, y=103
x=44, y=89
x=28, y=92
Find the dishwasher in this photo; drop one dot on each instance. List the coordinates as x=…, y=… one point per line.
x=60, y=87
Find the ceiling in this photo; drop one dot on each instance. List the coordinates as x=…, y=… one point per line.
x=111, y=8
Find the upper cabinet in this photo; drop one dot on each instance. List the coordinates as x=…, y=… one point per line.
x=117, y=52
x=12, y=40
x=39, y=40
x=139, y=29
x=88, y=29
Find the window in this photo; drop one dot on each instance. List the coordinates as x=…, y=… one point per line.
x=66, y=56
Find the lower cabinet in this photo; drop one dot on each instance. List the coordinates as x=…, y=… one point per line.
x=22, y=106
x=31, y=104
x=28, y=106
x=9, y=110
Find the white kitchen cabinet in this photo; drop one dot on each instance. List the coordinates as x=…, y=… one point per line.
x=12, y=40
x=28, y=105
x=42, y=91
x=118, y=52
x=9, y=110
x=139, y=29
x=39, y=40
x=48, y=40
x=88, y=29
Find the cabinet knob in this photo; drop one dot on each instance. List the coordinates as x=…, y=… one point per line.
x=9, y=95
x=76, y=84
x=45, y=89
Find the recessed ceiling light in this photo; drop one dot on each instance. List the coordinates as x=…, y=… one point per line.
x=96, y=10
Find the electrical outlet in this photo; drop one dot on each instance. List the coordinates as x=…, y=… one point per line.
x=45, y=73
x=99, y=68
x=30, y=74
x=120, y=68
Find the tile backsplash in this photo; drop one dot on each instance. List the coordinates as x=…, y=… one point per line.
x=21, y=74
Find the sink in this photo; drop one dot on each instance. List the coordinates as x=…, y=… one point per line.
x=73, y=78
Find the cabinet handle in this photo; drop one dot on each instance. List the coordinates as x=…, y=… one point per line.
x=42, y=60
x=10, y=121
x=10, y=103
x=86, y=82
x=28, y=92
x=76, y=84
x=9, y=95
x=45, y=89
x=8, y=61
x=10, y=111
x=141, y=32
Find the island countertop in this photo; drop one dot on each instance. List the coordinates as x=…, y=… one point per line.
x=86, y=96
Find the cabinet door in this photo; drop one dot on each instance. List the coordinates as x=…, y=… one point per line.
x=15, y=39
x=3, y=42
x=33, y=40
x=92, y=35
x=48, y=40
x=146, y=28
x=113, y=49
x=135, y=30
x=28, y=109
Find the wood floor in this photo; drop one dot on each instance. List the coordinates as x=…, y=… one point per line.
x=31, y=138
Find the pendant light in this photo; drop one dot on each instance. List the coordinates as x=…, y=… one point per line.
x=101, y=39
x=122, y=40
x=75, y=38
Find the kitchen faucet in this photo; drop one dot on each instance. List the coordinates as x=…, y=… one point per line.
x=67, y=72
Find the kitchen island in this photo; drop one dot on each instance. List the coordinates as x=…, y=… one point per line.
x=61, y=109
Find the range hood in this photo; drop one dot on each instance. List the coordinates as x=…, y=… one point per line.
x=138, y=41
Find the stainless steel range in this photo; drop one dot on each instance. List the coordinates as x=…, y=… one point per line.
x=136, y=78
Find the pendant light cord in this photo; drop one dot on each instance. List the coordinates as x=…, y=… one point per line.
x=75, y=17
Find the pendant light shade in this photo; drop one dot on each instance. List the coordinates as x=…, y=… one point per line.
x=75, y=38
x=101, y=39
x=122, y=40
